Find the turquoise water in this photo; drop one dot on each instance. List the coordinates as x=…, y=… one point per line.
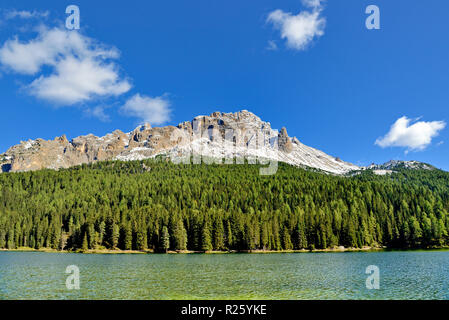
x=403, y=275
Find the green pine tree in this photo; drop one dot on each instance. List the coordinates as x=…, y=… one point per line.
x=85, y=246
x=165, y=239
x=206, y=242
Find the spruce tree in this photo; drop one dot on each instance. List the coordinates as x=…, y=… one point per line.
x=128, y=241
x=206, y=242
x=180, y=236
x=165, y=240
x=85, y=245
x=141, y=239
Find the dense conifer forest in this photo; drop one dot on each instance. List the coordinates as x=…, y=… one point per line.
x=163, y=206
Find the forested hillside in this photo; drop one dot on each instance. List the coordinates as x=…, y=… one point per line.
x=159, y=205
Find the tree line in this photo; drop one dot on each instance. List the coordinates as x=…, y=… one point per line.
x=162, y=206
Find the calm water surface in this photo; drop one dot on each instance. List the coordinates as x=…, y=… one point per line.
x=403, y=275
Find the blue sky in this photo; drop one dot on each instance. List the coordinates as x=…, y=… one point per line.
x=335, y=85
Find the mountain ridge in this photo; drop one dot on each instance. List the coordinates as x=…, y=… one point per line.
x=227, y=136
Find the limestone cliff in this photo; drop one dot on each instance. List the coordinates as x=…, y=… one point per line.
x=219, y=135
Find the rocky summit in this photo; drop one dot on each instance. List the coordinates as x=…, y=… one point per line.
x=225, y=136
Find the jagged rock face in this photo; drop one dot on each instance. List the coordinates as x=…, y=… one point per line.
x=60, y=153
x=398, y=164
x=220, y=135
x=285, y=143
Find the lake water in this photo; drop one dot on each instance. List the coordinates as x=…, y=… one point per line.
x=403, y=275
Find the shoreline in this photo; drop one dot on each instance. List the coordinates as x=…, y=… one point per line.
x=150, y=251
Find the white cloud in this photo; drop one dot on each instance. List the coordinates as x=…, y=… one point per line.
x=24, y=14
x=312, y=3
x=153, y=110
x=78, y=80
x=98, y=112
x=69, y=68
x=81, y=67
x=299, y=30
x=414, y=137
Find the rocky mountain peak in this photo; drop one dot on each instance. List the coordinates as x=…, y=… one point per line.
x=285, y=142
x=62, y=139
x=399, y=164
x=219, y=135
x=142, y=127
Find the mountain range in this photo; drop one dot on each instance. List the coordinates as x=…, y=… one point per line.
x=228, y=137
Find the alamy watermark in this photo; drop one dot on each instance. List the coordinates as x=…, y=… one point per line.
x=373, y=280
x=72, y=22
x=373, y=20
x=73, y=280
x=228, y=146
